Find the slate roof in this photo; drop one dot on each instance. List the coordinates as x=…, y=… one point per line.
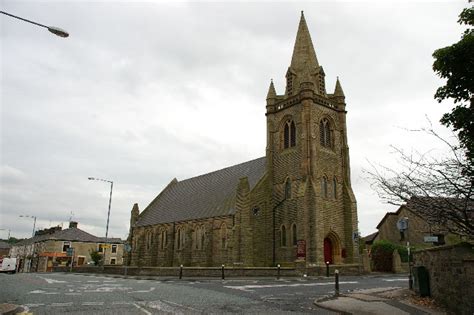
x=205, y=196
x=70, y=234
x=4, y=245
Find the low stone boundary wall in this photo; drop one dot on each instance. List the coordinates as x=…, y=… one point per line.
x=213, y=272
x=451, y=275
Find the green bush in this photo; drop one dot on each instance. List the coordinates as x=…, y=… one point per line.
x=95, y=256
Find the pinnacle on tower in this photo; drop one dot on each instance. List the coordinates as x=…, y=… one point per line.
x=271, y=91
x=304, y=55
x=338, y=90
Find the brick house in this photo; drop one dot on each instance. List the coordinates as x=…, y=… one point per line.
x=49, y=247
x=293, y=206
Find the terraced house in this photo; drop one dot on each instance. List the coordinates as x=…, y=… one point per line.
x=294, y=206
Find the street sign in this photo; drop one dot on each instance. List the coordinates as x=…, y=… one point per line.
x=355, y=236
x=430, y=239
x=69, y=251
x=402, y=224
x=301, y=250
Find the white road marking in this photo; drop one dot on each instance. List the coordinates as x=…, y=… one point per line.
x=397, y=279
x=61, y=304
x=92, y=303
x=93, y=281
x=37, y=292
x=74, y=293
x=143, y=291
x=52, y=280
x=34, y=304
x=121, y=303
x=183, y=306
x=262, y=286
x=141, y=309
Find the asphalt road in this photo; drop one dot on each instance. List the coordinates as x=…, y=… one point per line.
x=62, y=293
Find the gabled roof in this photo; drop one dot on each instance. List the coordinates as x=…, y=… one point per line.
x=370, y=238
x=71, y=234
x=204, y=196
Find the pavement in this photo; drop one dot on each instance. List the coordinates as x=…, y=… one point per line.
x=394, y=301
x=10, y=309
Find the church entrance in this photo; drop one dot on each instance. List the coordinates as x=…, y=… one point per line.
x=328, y=251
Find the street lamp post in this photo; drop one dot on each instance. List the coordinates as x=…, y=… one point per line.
x=53, y=29
x=108, y=213
x=34, y=222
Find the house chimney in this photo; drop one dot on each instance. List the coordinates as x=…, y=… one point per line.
x=73, y=224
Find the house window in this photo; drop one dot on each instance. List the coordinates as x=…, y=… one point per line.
x=66, y=245
x=113, y=261
x=288, y=189
x=224, y=236
x=283, y=236
x=293, y=235
x=101, y=248
x=325, y=134
x=114, y=248
x=334, y=188
x=324, y=187
x=289, y=134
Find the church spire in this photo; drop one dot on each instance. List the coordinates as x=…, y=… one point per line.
x=271, y=91
x=304, y=55
x=338, y=90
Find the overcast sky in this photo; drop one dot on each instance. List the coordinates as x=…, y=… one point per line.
x=144, y=92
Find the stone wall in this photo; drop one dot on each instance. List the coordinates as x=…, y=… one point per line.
x=213, y=272
x=451, y=275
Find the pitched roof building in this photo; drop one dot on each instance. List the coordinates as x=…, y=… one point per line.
x=293, y=206
x=49, y=247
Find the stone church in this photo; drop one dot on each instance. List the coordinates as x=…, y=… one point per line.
x=294, y=206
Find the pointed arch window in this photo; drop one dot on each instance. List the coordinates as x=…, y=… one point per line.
x=294, y=239
x=324, y=187
x=283, y=236
x=224, y=236
x=289, y=134
x=180, y=238
x=163, y=239
x=325, y=133
x=334, y=187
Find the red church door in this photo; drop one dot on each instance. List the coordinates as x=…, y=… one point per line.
x=327, y=250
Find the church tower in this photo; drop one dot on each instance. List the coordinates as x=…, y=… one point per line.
x=313, y=206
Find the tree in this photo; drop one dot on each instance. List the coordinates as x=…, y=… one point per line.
x=437, y=187
x=456, y=64
x=95, y=256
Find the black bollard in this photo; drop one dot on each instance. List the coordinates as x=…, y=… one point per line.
x=336, y=275
x=223, y=276
x=327, y=268
x=180, y=272
x=278, y=272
